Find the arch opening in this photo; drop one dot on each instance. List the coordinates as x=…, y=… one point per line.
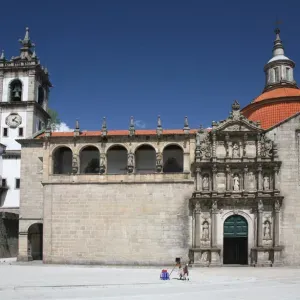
x=145, y=160
x=35, y=241
x=235, y=243
x=90, y=160
x=62, y=161
x=41, y=95
x=116, y=160
x=16, y=90
x=173, y=159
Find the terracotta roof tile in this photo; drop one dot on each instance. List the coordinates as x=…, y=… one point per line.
x=273, y=113
x=278, y=93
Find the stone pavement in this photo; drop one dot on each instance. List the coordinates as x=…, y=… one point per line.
x=38, y=281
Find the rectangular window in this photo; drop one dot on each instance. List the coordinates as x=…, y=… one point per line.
x=277, y=77
x=5, y=132
x=20, y=131
x=17, y=183
x=4, y=183
x=287, y=74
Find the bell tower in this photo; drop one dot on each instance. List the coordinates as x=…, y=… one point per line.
x=24, y=94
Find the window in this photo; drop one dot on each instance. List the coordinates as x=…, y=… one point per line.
x=287, y=74
x=4, y=183
x=277, y=78
x=5, y=132
x=17, y=183
x=20, y=131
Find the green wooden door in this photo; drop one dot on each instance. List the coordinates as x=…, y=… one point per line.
x=235, y=226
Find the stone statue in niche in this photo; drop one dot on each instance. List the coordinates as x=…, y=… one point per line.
x=266, y=183
x=267, y=235
x=102, y=163
x=251, y=180
x=130, y=162
x=235, y=150
x=159, y=162
x=205, y=230
x=74, y=164
x=205, y=182
x=197, y=207
x=236, y=182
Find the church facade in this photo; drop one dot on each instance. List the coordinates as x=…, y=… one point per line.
x=224, y=195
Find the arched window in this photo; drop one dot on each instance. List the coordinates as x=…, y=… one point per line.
x=145, y=159
x=15, y=88
x=41, y=95
x=62, y=161
x=89, y=160
x=116, y=160
x=173, y=159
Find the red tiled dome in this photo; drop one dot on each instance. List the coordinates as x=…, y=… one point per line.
x=273, y=107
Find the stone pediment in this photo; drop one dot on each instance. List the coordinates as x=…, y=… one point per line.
x=236, y=122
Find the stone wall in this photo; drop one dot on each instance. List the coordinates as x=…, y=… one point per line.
x=289, y=184
x=31, y=191
x=117, y=223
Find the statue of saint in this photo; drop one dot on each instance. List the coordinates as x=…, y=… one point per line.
x=205, y=233
x=235, y=150
x=205, y=182
x=266, y=183
x=236, y=183
x=267, y=230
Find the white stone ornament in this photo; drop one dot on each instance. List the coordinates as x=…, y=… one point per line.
x=13, y=120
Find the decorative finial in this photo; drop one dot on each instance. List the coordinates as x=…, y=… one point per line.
x=131, y=127
x=2, y=57
x=104, y=127
x=201, y=130
x=186, y=127
x=235, y=106
x=77, y=129
x=159, y=127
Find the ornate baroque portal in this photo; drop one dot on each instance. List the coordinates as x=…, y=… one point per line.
x=236, y=203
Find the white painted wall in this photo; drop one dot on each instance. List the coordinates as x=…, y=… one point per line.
x=11, y=171
x=6, y=81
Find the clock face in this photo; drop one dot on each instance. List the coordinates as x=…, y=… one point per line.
x=13, y=120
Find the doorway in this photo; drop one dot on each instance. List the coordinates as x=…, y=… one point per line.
x=35, y=241
x=235, y=244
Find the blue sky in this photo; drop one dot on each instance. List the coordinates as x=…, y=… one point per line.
x=118, y=58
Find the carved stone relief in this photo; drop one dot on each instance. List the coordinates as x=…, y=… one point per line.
x=205, y=231
x=74, y=164
x=266, y=147
x=235, y=150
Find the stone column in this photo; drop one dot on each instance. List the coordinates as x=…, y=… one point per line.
x=214, y=138
x=227, y=144
x=277, y=223
x=260, y=210
x=276, y=175
x=197, y=232
x=245, y=181
x=259, y=177
x=228, y=188
x=214, y=181
x=214, y=212
x=258, y=145
x=198, y=179
x=241, y=148
x=245, y=144
x=186, y=162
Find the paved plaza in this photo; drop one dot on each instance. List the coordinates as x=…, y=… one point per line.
x=38, y=281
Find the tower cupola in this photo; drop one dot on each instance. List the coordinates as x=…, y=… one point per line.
x=279, y=69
